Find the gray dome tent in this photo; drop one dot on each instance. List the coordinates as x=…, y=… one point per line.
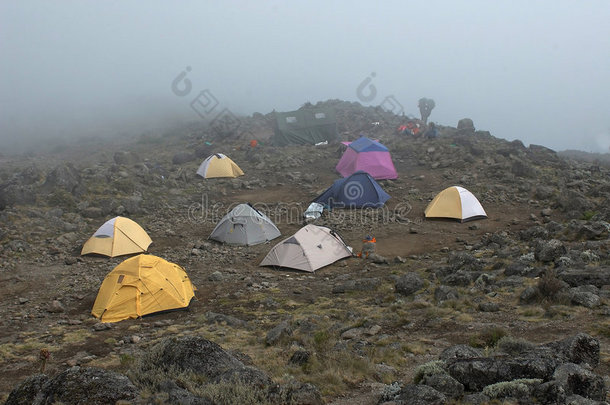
x=245, y=225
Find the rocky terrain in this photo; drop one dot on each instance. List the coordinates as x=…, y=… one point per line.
x=511, y=309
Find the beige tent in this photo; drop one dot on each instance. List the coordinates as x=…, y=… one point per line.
x=219, y=165
x=311, y=248
x=455, y=202
x=118, y=236
x=142, y=285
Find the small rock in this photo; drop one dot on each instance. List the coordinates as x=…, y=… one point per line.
x=70, y=260
x=55, y=307
x=281, y=330
x=216, y=276
x=101, y=326
x=299, y=357
x=489, y=307
x=353, y=333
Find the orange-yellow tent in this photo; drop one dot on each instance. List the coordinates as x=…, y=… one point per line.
x=118, y=236
x=142, y=285
x=455, y=202
x=219, y=165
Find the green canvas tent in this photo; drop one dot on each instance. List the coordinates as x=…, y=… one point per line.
x=305, y=127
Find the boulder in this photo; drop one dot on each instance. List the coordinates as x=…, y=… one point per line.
x=28, y=392
x=444, y=293
x=193, y=353
x=464, y=261
x=282, y=330
x=580, y=381
x=412, y=394
x=465, y=124
x=578, y=349
x=549, y=393
x=74, y=386
x=478, y=373
x=584, y=298
x=549, y=251
x=599, y=276
x=408, y=284
x=64, y=176
x=445, y=384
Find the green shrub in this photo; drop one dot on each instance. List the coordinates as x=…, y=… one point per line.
x=61, y=198
x=488, y=337
x=514, y=346
x=430, y=368
x=549, y=285
x=516, y=388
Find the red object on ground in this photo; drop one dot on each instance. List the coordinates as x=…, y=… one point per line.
x=253, y=143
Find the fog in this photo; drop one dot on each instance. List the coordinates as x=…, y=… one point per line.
x=538, y=71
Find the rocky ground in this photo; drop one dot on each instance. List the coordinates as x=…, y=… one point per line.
x=513, y=308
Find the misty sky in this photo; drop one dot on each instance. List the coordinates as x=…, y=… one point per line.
x=538, y=71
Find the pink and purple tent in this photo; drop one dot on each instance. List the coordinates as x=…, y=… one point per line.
x=369, y=156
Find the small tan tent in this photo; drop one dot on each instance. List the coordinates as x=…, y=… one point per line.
x=142, y=285
x=311, y=248
x=118, y=236
x=219, y=165
x=455, y=202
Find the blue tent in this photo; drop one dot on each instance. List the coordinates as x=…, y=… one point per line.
x=359, y=190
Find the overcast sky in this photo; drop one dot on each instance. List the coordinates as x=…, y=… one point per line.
x=538, y=71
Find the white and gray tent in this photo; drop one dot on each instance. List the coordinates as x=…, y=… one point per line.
x=311, y=248
x=245, y=225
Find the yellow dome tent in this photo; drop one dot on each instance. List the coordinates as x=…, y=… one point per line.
x=142, y=285
x=219, y=165
x=455, y=202
x=118, y=236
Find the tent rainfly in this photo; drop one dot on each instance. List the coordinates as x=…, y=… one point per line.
x=142, y=285
x=311, y=248
x=369, y=156
x=219, y=165
x=245, y=225
x=457, y=203
x=116, y=237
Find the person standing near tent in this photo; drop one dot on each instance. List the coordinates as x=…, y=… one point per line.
x=368, y=246
x=431, y=132
x=425, y=108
